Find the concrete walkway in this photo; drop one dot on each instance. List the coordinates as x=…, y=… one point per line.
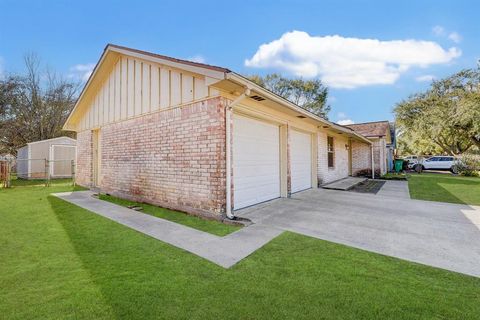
x=224, y=251
x=395, y=188
x=344, y=184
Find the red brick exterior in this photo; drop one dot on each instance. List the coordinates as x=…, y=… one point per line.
x=83, y=168
x=361, y=157
x=174, y=158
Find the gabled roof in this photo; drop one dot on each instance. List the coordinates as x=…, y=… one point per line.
x=159, y=56
x=219, y=74
x=51, y=139
x=374, y=129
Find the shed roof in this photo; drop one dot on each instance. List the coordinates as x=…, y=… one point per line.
x=51, y=139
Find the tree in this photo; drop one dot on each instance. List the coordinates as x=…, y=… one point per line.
x=33, y=106
x=446, y=117
x=308, y=94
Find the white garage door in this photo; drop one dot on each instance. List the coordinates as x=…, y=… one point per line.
x=256, y=161
x=301, y=160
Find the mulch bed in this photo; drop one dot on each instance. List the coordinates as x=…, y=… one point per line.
x=369, y=186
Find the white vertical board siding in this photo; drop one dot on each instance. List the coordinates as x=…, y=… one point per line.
x=300, y=160
x=175, y=88
x=123, y=88
x=164, y=88
x=187, y=88
x=146, y=88
x=200, y=89
x=111, y=96
x=138, y=88
x=135, y=87
x=130, y=88
x=256, y=161
x=154, y=88
x=117, y=104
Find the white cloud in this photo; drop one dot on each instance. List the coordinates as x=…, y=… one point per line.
x=348, y=62
x=345, y=122
x=438, y=31
x=197, y=58
x=81, y=71
x=455, y=37
x=425, y=78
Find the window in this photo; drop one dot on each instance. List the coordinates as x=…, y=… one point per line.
x=330, y=152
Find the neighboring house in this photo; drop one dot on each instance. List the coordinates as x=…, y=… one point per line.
x=36, y=159
x=198, y=138
x=7, y=157
x=382, y=135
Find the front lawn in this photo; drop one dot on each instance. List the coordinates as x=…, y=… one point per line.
x=444, y=188
x=215, y=227
x=58, y=261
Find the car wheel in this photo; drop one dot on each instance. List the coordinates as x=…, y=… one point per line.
x=454, y=169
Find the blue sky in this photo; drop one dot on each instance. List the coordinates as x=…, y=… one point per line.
x=409, y=41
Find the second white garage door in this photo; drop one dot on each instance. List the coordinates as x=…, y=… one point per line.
x=256, y=161
x=301, y=160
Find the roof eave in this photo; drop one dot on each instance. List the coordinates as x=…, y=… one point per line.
x=232, y=76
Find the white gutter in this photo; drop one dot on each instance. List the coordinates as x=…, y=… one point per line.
x=228, y=150
x=373, y=162
x=232, y=76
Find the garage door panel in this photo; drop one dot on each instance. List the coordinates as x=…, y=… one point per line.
x=300, y=161
x=256, y=161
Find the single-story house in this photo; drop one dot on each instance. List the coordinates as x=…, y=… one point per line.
x=36, y=159
x=199, y=138
x=382, y=135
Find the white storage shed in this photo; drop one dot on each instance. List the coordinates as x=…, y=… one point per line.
x=54, y=156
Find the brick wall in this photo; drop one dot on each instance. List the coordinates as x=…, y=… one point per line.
x=361, y=157
x=174, y=158
x=83, y=170
x=380, y=155
x=340, y=169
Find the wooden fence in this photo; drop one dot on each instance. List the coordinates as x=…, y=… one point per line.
x=5, y=169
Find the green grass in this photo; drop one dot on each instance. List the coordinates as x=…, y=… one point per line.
x=394, y=176
x=215, y=227
x=58, y=261
x=445, y=188
x=39, y=182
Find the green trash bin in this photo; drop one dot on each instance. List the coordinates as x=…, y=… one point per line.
x=398, y=165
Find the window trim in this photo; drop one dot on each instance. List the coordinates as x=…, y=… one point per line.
x=332, y=151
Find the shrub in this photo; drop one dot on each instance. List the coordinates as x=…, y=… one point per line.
x=468, y=165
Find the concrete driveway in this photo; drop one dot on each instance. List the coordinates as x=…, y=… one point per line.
x=437, y=234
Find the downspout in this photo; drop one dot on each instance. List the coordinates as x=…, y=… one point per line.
x=228, y=150
x=373, y=162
